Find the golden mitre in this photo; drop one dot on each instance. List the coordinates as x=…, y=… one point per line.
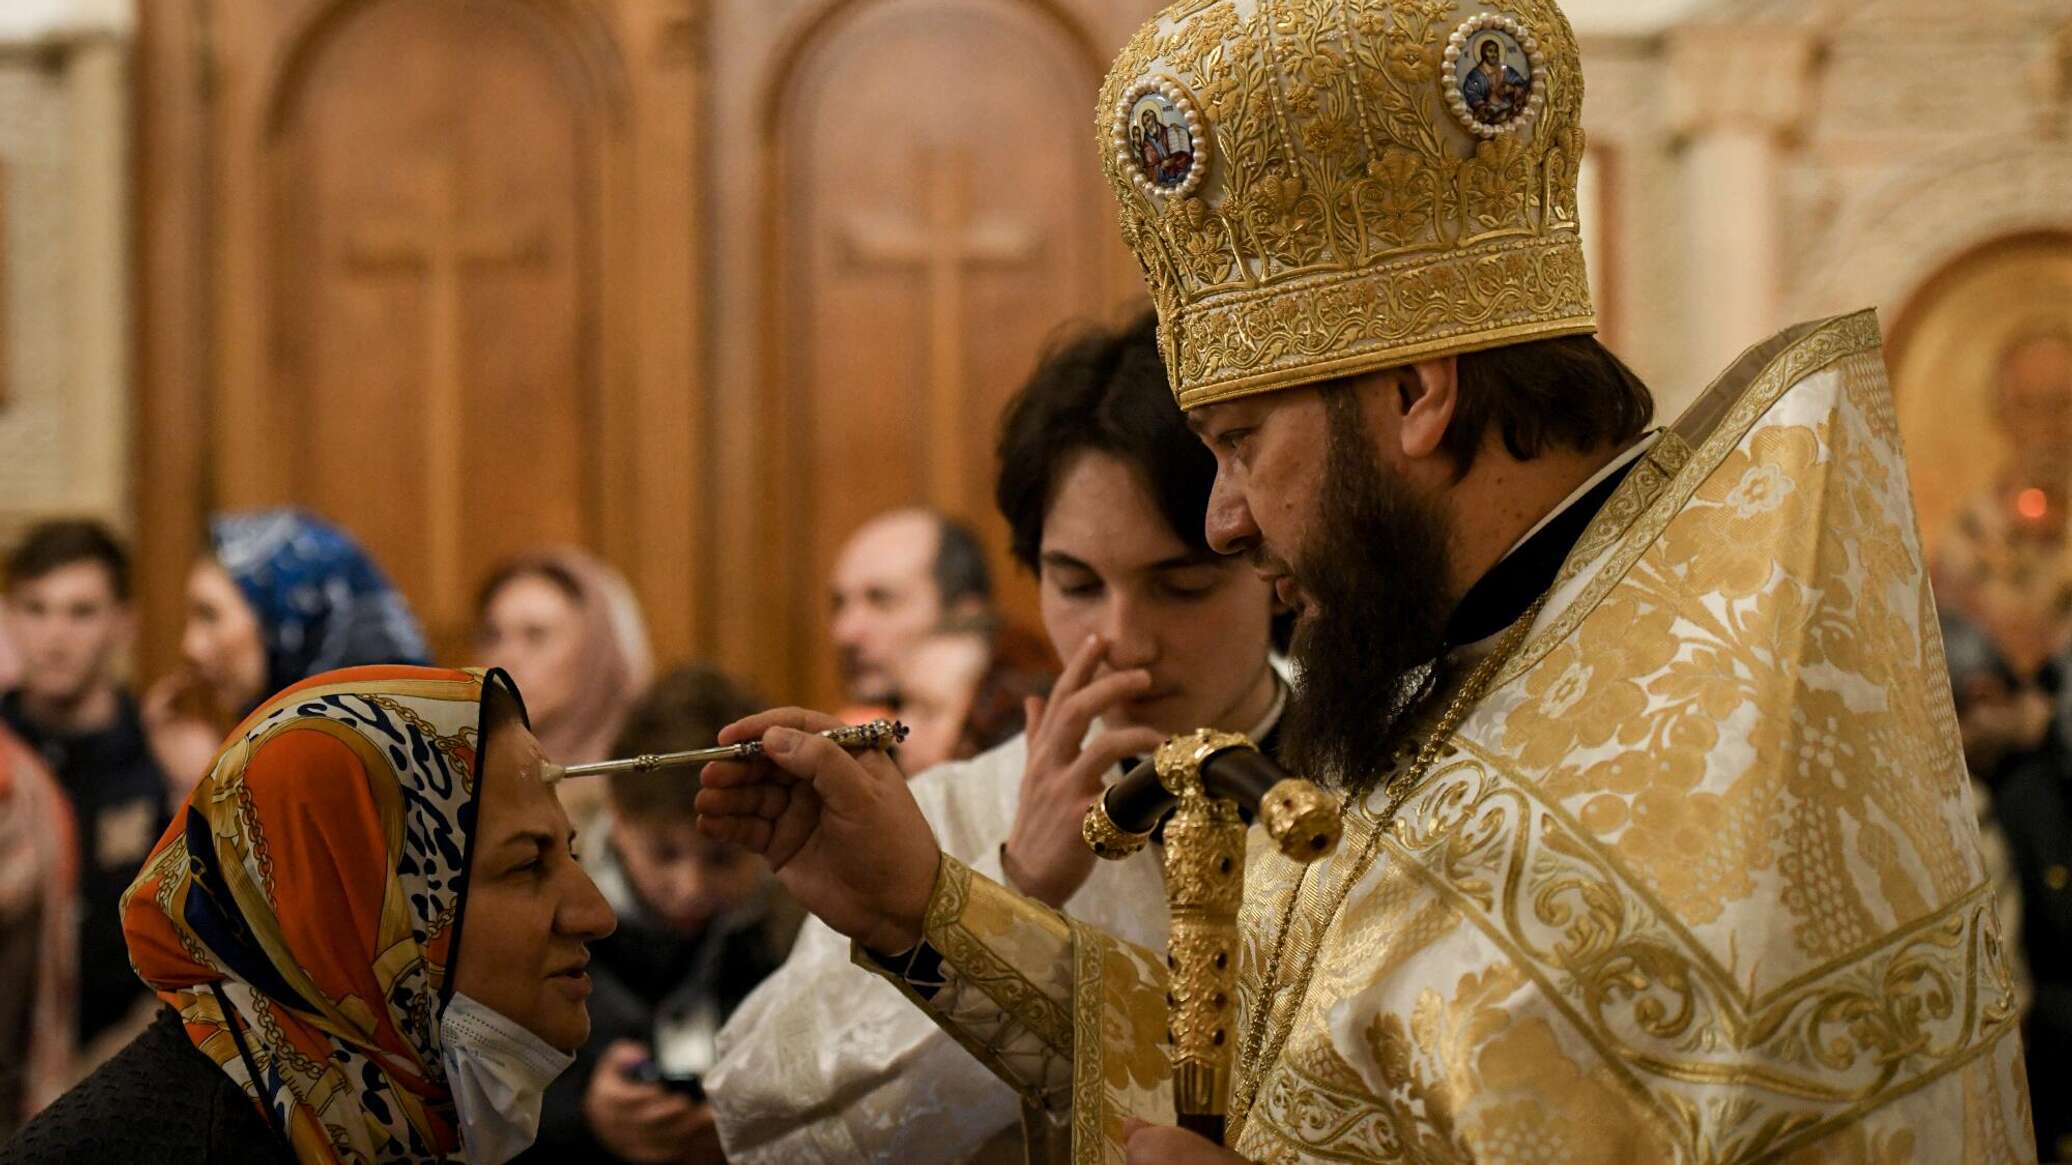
x=1318, y=188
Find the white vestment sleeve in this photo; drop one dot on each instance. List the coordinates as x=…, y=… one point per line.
x=826, y=1061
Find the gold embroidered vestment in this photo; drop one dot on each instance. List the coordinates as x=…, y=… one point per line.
x=1697, y=879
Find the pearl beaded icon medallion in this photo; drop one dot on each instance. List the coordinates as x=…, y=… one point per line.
x=1495, y=75
x=1158, y=135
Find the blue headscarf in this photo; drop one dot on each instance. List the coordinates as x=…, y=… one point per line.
x=322, y=603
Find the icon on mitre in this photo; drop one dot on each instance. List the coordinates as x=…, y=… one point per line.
x=1162, y=141
x=1496, y=78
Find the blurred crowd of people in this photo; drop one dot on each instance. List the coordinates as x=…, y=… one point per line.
x=1103, y=492
x=92, y=771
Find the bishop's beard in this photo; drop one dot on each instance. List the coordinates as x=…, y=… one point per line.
x=1373, y=572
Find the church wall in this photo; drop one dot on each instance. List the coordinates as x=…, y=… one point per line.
x=1936, y=136
x=1639, y=280
x=1932, y=129
x=1753, y=162
x=1779, y=161
x=782, y=485
x=64, y=267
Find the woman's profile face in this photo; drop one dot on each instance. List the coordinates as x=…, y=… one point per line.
x=531, y=910
x=532, y=628
x=223, y=643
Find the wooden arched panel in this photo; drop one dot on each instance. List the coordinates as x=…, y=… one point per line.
x=935, y=219
x=427, y=345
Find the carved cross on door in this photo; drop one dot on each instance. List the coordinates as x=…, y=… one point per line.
x=442, y=249
x=943, y=245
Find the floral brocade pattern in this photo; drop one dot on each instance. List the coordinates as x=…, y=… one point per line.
x=1698, y=880
x=1348, y=221
x=1719, y=718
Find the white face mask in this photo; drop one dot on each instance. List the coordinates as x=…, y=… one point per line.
x=499, y=1073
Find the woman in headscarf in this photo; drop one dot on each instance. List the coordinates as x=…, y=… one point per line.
x=282, y=596
x=568, y=629
x=370, y=935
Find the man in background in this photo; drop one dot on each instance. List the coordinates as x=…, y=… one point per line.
x=902, y=574
x=68, y=612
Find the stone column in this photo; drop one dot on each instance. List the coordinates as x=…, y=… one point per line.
x=97, y=79
x=1739, y=96
x=65, y=219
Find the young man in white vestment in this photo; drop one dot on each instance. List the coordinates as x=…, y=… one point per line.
x=1104, y=492
x=1657, y=842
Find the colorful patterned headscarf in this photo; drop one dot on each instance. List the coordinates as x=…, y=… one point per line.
x=303, y=911
x=322, y=602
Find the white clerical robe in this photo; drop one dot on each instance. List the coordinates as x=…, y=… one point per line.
x=826, y=1062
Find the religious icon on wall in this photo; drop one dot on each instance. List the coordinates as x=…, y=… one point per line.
x=1495, y=76
x=2006, y=560
x=1163, y=143
x=1983, y=375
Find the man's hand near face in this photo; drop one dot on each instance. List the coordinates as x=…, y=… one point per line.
x=646, y=1123
x=1046, y=857
x=840, y=829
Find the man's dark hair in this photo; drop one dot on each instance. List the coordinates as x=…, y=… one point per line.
x=1103, y=390
x=1567, y=393
x=51, y=546
x=681, y=711
x=960, y=564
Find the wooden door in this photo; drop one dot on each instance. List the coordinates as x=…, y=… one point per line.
x=402, y=252
x=431, y=279
x=934, y=218
x=430, y=319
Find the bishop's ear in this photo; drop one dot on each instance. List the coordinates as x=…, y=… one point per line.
x=1427, y=393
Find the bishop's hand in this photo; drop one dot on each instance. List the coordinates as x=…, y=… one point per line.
x=1146, y=1144
x=839, y=828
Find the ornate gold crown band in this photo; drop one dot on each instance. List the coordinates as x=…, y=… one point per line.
x=1388, y=181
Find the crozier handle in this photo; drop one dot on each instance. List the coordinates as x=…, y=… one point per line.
x=1197, y=784
x=1302, y=819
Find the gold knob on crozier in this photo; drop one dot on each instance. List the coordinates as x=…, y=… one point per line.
x=1305, y=822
